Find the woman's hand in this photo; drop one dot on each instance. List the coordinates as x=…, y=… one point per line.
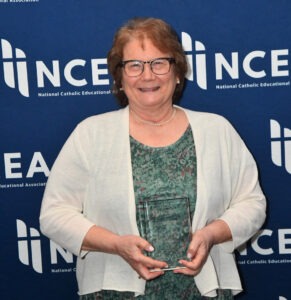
x=198, y=251
x=201, y=244
x=131, y=249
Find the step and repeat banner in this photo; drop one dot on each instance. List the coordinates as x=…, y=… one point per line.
x=53, y=74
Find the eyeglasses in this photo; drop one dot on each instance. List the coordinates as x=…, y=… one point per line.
x=159, y=66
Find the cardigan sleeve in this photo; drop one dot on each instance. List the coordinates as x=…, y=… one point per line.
x=61, y=217
x=247, y=207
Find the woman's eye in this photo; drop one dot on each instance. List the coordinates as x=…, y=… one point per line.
x=134, y=65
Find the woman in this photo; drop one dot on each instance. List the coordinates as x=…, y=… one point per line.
x=152, y=149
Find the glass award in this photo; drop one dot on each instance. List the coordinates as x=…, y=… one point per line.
x=166, y=224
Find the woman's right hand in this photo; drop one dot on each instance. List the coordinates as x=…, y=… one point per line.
x=131, y=248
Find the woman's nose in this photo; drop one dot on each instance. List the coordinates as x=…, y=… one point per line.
x=147, y=73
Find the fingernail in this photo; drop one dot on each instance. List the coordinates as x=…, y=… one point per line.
x=151, y=248
x=189, y=256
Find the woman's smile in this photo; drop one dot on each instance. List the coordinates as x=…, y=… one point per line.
x=148, y=89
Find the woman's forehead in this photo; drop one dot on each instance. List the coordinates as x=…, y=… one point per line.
x=142, y=46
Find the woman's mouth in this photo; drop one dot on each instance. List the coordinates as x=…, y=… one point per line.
x=149, y=89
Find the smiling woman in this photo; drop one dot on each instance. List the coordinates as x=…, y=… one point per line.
x=161, y=36
x=118, y=165
x=149, y=76
x=149, y=95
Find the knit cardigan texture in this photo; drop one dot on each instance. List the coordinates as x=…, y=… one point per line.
x=91, y=184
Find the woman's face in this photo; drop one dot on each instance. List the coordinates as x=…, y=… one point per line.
x=147, y=90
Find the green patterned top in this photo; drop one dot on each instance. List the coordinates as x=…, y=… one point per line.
x=163, y=173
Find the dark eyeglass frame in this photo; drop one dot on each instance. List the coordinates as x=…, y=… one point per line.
x=171, y=61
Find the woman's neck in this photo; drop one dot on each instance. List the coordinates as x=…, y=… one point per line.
x=154, y=117
x=154, y=121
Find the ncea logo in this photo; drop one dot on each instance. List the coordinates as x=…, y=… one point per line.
x=257, y=64
x=280, y=145
x=268, y=242
x=30, y=252
x=13, y=168
x=15, y=71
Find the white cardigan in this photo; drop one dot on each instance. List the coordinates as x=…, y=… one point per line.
x=91, y=183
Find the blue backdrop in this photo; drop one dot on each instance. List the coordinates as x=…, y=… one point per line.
x=53, y=74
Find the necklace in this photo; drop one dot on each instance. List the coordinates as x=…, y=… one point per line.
x=140, y=120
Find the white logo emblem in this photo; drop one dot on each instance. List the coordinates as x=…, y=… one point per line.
x=29, y=250
x=14, y=77
x=280, y=145
x=200, y=59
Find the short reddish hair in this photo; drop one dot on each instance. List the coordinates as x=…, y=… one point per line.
x=163, y=38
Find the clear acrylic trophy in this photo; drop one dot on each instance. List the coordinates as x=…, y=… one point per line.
x=166, y=224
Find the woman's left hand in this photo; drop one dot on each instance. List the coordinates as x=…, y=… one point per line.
x=198, y=251
x=200, y=246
